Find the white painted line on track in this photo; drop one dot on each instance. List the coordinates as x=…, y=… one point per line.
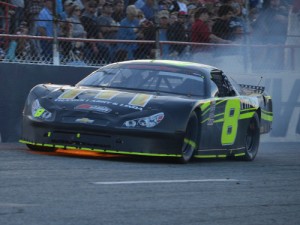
x=165, y=181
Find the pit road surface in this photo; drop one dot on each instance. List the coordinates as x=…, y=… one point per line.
x=81, y=189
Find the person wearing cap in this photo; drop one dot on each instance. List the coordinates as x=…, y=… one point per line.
x=163, y=21
x=108, y=27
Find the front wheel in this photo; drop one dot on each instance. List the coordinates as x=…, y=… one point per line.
x=40, y=148
x=252, y=139
x=190, y=139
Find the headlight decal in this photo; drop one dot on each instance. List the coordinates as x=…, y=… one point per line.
x=147, y=122
x=38, y=111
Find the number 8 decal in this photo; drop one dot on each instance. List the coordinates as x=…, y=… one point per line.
x=230, y=125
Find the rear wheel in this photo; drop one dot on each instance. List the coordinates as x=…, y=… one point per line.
x=252, y=139
x=40, y=148
x=190, y=139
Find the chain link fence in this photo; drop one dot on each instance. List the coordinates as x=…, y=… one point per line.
x=94, y=33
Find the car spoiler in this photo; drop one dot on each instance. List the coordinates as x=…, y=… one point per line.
x=252, y=88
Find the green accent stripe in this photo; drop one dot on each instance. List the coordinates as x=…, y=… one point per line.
x=190, y=142
x=107, y=151
x=239, y=154
x=267, y=112
x=249, y=109
x=246, y=115
x=204, y=106
x=210, y=156
x=267, y=117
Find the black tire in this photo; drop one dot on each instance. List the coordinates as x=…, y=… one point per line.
x=252, y=139
x=40, y=148
x=190, y=139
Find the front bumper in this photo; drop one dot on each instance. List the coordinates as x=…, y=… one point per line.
x=101, y=139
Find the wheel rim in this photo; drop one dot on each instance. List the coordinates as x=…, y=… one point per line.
x=190, y=139
x=251, y=137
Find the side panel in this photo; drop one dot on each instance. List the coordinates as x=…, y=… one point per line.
x=223, y=125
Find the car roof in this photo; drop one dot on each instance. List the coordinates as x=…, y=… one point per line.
x=189, y=65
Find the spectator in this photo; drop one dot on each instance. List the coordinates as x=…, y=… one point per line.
x=77, y=30
x=148, y=10
x=100, y=7
x=128, y=31
x=33, y=10
x=146, y=32
x=109, y=28
x=18, y=14
x=108, y=25
x=200, y=30
x=139, y=4
x=177, y=32
x=67, y=9
x=164, y=17
x=89, y=20
x=73, y=28
x=201, y=33
x=118, y=12
x=140, y=15
x=45, y=28
x=19, y=49
x=96, y=51
x=221, y=26
x=173, y=17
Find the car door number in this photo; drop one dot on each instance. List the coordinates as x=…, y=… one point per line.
x=230, y=125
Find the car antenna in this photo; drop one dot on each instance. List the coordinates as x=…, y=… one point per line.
x=259, y=81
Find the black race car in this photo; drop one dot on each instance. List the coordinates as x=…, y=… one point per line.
x=150, y=108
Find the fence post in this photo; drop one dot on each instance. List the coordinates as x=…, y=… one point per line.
x=55, y=40
x=156, y=24
x=247, y=55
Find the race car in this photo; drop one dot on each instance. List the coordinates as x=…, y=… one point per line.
x=161, y=108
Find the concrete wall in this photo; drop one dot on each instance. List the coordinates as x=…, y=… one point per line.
x=16, y=80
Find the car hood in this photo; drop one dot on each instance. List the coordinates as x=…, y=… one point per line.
x=109, y=101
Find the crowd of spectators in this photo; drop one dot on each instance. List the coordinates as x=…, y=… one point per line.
x=197, y=21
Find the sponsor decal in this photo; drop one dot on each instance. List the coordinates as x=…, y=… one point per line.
x=84, y=120
x=140, y=100
x=97, y=108
x=70, y=94
x=107, y=94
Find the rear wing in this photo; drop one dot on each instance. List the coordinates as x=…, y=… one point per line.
x=252, y=89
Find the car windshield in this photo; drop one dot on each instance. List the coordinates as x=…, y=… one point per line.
x=156, y=79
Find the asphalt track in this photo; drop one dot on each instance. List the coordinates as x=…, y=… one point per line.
x=89, y=189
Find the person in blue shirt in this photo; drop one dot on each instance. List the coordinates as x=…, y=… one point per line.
x=148, y=10
x=128, y=31
x=45, y=28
